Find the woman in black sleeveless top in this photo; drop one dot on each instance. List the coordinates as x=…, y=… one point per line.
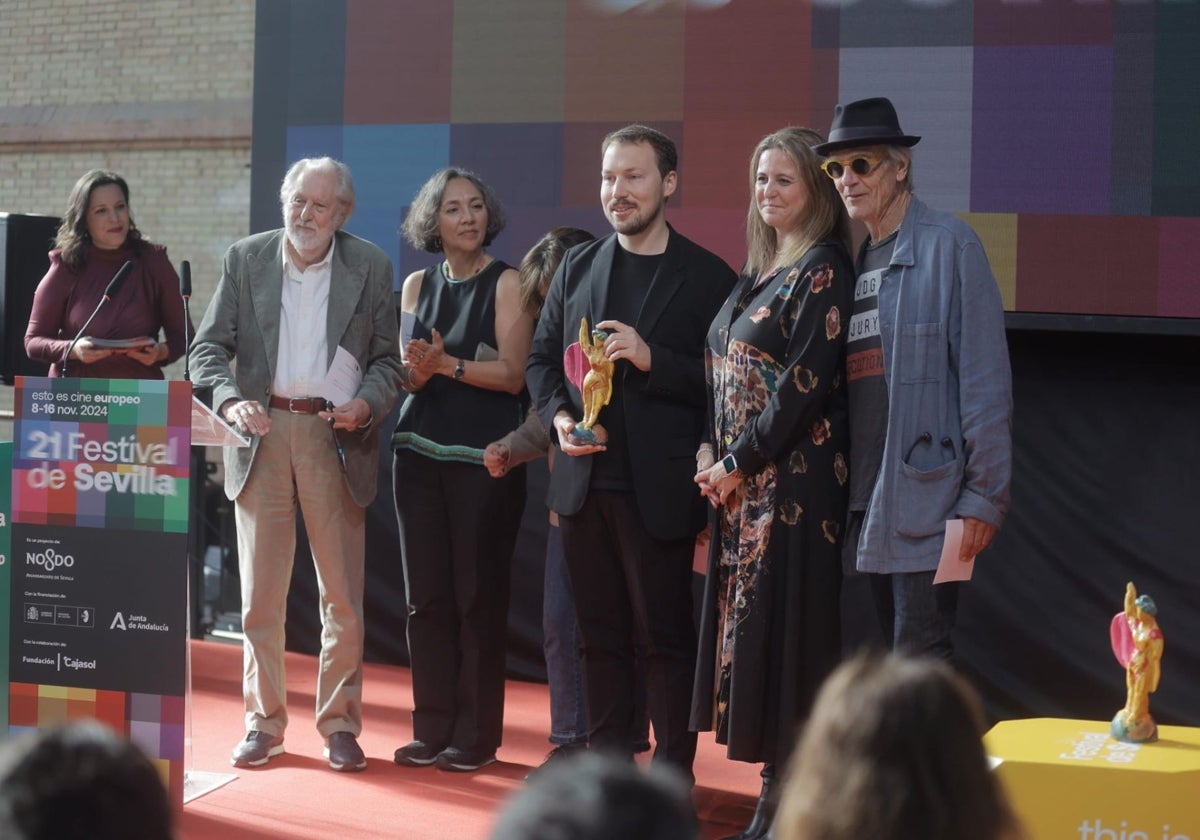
x=465, y=374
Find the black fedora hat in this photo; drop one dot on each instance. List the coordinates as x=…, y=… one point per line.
x=867, y=122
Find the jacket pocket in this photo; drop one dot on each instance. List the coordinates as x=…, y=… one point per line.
x=923, y=353
x=925, y=499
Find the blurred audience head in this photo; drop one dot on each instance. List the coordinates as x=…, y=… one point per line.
x=598, y=797
x=80, y=780
x=893, y=750
x=538, y=266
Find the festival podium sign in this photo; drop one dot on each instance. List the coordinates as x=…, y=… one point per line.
x=98, y=566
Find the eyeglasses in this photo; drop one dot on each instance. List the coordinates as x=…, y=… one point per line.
x=860, y=166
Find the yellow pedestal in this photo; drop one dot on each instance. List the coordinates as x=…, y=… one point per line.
x=1069, y=780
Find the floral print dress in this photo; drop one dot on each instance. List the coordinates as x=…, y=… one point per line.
x=770, y=626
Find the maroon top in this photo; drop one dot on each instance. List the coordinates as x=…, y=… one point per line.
x=147, y=301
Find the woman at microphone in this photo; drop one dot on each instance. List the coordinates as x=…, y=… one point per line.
x=97, y=237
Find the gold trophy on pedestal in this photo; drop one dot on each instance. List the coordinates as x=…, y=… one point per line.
x=1138, y=644
x=596, y=388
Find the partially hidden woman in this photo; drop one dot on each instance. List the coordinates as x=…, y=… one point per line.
x=775, y=468
x=560, y=631
x=465, y=374
x=144, y=318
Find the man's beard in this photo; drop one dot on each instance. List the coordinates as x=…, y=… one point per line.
x=303, y=240
x=635, y=224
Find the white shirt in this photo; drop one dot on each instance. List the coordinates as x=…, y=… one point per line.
x=303, y=358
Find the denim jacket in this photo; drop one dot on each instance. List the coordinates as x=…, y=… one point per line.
x=948, y=449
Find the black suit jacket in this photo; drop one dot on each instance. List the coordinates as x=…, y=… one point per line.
x=665, y=408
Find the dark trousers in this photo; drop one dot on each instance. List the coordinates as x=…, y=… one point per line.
x=917, y=616
x=458, y=528
x=632, y=589
x=560, y=644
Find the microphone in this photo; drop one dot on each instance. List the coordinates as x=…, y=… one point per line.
x=185, y=291
x=113, y=285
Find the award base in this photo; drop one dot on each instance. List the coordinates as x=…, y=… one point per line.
x=595, y=435
x=1141, y=731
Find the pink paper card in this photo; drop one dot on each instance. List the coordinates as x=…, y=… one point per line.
x=950, y=567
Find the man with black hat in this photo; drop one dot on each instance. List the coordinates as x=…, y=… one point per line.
x=930, y=388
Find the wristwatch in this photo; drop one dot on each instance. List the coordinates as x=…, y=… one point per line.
x=729, y=463
x=460, y=368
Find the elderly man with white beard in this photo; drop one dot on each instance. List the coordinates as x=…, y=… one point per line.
x=289, y=301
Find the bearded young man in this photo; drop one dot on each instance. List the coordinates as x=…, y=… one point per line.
x=629, y=510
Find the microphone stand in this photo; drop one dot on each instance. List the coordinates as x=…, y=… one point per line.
x=109, y=291
x=185, y=291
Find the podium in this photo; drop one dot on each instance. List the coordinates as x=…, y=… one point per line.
x=100, y=518
x=1070, y=780
x=208, y=429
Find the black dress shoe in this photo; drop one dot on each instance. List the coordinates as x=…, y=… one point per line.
x=417, y=754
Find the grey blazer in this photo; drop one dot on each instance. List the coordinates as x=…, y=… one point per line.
x=242, y=323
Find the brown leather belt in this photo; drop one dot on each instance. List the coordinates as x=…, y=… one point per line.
x=298, y=405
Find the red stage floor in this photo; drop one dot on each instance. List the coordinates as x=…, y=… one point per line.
x=297, y=796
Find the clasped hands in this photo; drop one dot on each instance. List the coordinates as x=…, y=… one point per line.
x=425, y=358
x=715, y=484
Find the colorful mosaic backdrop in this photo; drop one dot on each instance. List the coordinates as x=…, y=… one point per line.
x=1063, y=131
x=156, y=723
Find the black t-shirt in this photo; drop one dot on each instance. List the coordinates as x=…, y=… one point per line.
x=627, y=287
x=864, y=373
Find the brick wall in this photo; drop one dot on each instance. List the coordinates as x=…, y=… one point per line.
x=158, y=91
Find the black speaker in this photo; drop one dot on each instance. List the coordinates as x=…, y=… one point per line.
x=25, y=243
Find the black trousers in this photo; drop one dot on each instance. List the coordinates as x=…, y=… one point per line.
x=458, y=528
x=632, y=590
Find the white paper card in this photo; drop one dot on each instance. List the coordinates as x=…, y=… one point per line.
x=408, y=321
x=344, y=376
x=950, y=567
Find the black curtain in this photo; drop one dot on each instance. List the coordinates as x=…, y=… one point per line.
x=1106, y=451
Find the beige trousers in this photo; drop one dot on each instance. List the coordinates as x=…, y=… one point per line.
x=297, y=462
